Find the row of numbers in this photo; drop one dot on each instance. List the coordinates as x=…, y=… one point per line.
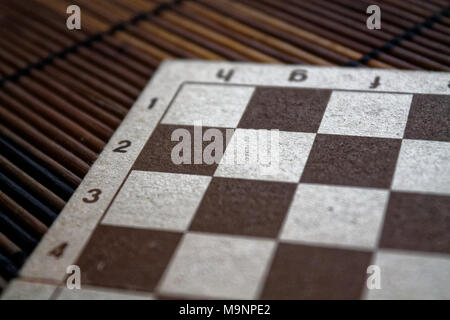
x=298, y=75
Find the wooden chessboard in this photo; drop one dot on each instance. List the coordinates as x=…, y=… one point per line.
x=64, y=92
x=359, y=180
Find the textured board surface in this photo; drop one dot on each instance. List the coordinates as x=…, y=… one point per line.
x=363, y=179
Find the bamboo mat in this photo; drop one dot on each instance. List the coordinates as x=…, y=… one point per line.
x=63, y=93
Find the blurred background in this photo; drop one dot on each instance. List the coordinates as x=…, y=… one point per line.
x=68, y=75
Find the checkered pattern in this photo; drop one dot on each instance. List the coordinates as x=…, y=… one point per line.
x=364, y=179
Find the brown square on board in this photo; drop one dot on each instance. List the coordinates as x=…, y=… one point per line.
x=307, y=272
x=352, y=161
x=126, y=258
x=156, y=154
x=417, y=222
x=286, y=109
x=243, y=207
x=429, y=118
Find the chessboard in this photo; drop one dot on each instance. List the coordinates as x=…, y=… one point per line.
x=353, y=202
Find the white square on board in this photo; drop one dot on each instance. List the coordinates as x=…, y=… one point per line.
x=157, y=200
x=423, y=166
x=411, y=275
x=218, y=266
x=24, y=290
x=213, y=105
x=382, y=115
x=288, y=162
x=335, y=215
